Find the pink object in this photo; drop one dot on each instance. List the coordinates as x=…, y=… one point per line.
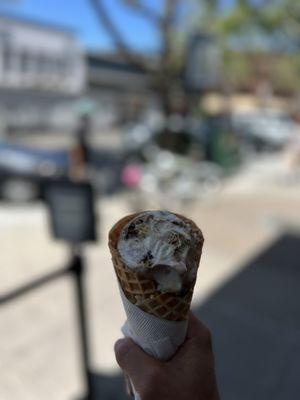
x=131, y=176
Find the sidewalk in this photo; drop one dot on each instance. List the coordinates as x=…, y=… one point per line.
x=39, y=357
x=255, y=323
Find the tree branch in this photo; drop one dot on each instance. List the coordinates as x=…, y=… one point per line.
x=166, y=30
x=106, y=21
x=170, y=11
x=144, y=10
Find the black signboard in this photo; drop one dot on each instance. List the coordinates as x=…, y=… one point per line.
x=72, y=213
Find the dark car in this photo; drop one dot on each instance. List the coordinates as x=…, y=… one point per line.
x=24, y=170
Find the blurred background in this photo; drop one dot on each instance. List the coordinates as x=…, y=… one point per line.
x=191, y=106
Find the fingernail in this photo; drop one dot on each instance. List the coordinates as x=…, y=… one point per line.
x=122, y=345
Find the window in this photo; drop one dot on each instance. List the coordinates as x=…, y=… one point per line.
x=62, y=66
x=5, y=39
x=25, y=61
x=7, y=57
x=42, y=63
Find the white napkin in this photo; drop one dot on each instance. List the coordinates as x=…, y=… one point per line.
x=158, y=337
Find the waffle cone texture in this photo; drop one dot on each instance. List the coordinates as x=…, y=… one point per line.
x=141, y=291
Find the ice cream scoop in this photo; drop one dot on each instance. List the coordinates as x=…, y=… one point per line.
x=161, y=245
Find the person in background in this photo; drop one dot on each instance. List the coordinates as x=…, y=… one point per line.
x=79, y=155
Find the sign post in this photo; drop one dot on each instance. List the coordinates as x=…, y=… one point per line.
x=72, y=218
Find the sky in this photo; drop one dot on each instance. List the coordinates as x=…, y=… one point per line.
x=78, y=15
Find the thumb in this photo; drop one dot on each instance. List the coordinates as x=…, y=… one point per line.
x=133, y=360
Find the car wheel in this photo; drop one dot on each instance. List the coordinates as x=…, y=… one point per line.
x=18, y=190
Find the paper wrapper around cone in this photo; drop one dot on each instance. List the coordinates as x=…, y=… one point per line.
x=155, y=321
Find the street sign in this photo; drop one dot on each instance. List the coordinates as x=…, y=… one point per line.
x=72, y=214
x=203, y=66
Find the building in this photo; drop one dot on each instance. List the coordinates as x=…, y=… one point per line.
x=118, y=86
x=40, y=66
x=47, y=79
x=39, y=56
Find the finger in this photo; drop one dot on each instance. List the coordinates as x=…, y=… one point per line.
x=192, y=326
x=128, y=385
x=198, y=340
x=132, y=359
x=196, y=327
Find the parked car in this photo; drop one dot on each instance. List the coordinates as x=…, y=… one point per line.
x=266, y=129
x=23, y=171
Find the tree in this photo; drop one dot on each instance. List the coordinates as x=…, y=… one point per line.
x=267, y=17
x=160, y=69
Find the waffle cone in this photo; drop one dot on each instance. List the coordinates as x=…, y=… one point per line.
x=142, y=291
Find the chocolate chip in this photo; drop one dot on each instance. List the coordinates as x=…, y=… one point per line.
x=177, y=223
x=147, y=258
x=175, y=240
x=131, y=231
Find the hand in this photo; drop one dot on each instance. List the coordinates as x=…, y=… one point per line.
x=190, y=374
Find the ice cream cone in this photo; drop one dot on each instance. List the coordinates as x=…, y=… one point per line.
x=142, y=291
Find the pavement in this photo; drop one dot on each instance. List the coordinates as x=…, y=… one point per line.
x=255, y=323
x=39, y=352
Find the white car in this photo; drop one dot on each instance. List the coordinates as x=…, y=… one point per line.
x=271, y=126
